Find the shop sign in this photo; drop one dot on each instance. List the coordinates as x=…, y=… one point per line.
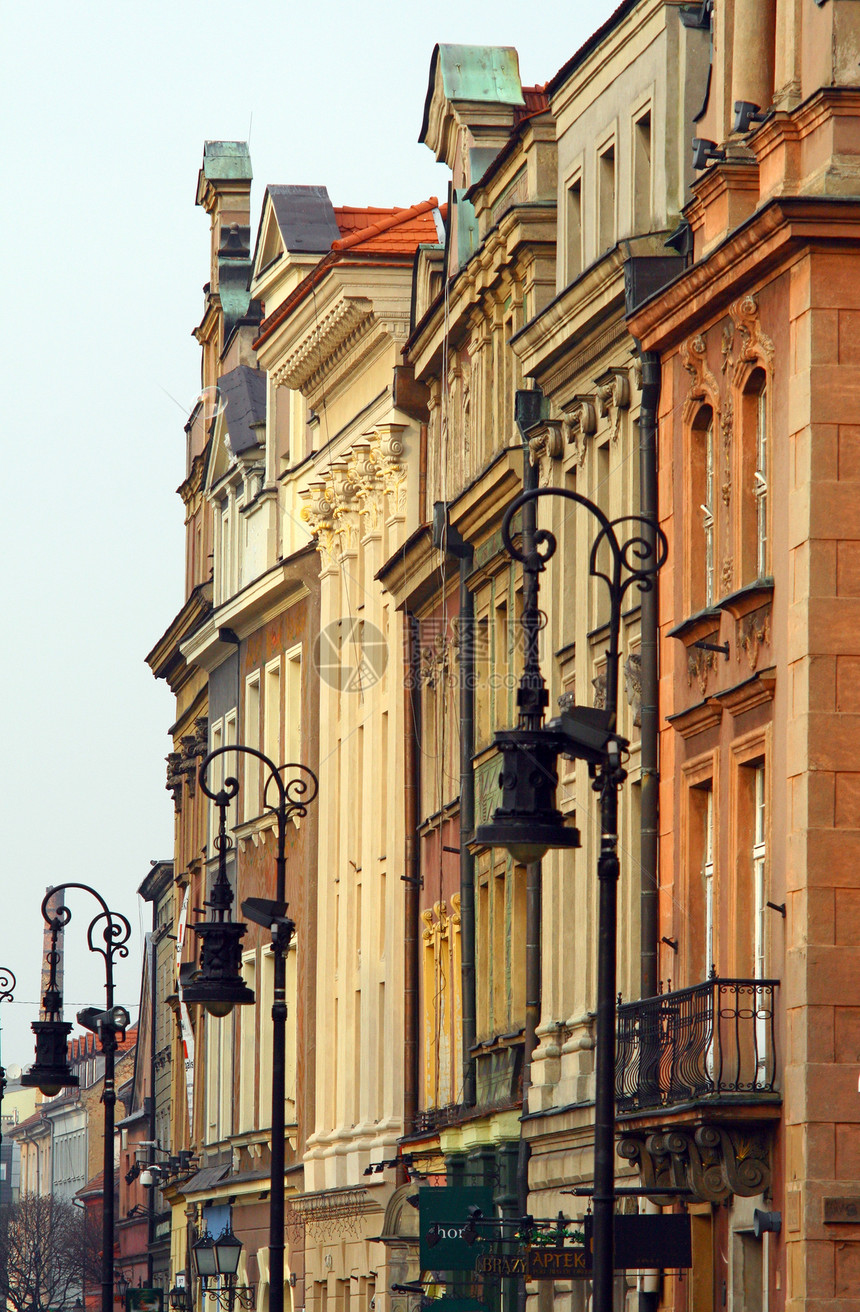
x=442, y=1215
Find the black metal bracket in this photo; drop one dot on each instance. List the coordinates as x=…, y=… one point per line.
x=777, y=906
x=704, y=645
x=670, y=943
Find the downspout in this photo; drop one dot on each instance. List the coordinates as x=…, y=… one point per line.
x=649, y=909
x=527, y=412
x=467, y=828
x=448, y=539
x=412, y=876
x=153, y=1002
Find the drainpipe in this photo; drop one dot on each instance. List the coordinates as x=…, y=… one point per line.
x=153, y=1003
x=412, y=877
x=448, y=539
x=649, y=789
x=527, y=412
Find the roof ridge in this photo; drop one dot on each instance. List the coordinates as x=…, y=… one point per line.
x=383, y=225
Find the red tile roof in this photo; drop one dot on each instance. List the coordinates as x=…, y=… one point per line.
x=536, y=102
x=382, y=235
x=394, y=231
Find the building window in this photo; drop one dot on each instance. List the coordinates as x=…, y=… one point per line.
x=293, y=705
x=248, y=1049
x=702, y=520
x=574, y=229
x=606, y=199
x=708, y=877
x=252, y=739
x=754, y=478
x=642, y=173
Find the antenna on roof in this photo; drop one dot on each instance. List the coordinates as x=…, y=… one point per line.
x=250, y=125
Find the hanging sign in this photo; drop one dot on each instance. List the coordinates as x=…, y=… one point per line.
x=442, y=1215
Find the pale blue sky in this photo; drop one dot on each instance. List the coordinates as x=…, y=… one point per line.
x=105, y=107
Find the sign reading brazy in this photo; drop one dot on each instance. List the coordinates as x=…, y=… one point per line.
x=442, y=1215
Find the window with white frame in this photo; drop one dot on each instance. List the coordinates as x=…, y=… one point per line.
x=251, y=791
x=272, y=716
x=760, y=482
x=293, y=705
x=708, y=878
x=248, y=1049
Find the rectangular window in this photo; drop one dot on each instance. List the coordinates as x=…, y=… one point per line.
x=642, y=173
x=707, y=510
x=708, y=879
x=251, y=792
x=272, y=719
x=248, y=1048
x=216, y=776
x=230, y=739
x=574, y=229
x=293, y=705
x=266, y=995
x=760, y=479
x=606, y=199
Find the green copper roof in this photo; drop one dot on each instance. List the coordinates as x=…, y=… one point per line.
x=227, y=160
x=480, y=73
x=474, y=73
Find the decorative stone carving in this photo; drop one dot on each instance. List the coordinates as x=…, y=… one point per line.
x=578, y=424
x=755, y=343
x=713, y=1161
x=633, y=685
x=613, y=396
x=753, y=631
x=699, y=665
x=182, y=765
x=321, y=348
x=367, y=481
x=547, y=445
x=726, y=346
x=174, y=778
x=704, y=386
x=598, y=683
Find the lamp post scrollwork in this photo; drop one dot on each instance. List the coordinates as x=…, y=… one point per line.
x=528, y=823
x=218, y=983
x=107, y=934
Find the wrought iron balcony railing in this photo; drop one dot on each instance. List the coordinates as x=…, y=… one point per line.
x=714, y=1041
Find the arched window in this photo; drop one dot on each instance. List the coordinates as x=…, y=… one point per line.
x=703, y=510
x=754, y=478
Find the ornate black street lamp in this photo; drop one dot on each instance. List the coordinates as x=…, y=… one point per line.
x=528, y=823
x=219, y=1259
x=7, y=985
x=219, y=985
x=51, y=1072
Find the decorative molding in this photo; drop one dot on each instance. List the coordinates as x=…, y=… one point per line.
x=329, y=338
x=713, y=1161
x=358, y=488
x=704, y=715
x=578, y=424
x=700, y=664
x=756, y=346
x=613, y=397
x=703, y=386
x=753, y=631
x=546, y=445
x=571, y=368
x=633, y=685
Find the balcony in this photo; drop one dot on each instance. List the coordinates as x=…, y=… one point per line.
x=696, y=1086
x=713, y=1042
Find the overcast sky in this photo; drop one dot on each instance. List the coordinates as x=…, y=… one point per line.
x=105, y=110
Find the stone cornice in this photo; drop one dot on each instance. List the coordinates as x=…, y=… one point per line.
x=584, y=308
x=275, y=591
x=776, y=233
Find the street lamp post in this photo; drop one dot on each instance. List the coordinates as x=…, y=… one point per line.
x=51, y=1071
x=7, y=986
x=528, y=823
x=218, y=983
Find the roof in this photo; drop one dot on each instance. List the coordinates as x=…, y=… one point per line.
x=537, y=103
x=227, y=160
x=93, y=1187
x=477, y=74
x=389, y=230
x=579, y=57
x=243, y=391
x=367, y=232
x=305, y=217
